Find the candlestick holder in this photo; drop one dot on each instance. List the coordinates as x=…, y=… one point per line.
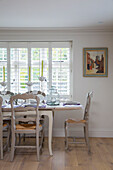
x=29, y=84
x=42, y=79
x=3, y=84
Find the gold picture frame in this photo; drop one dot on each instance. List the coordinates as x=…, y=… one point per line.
x=95, y=62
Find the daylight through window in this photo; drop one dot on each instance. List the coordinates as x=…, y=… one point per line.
x=17, y=57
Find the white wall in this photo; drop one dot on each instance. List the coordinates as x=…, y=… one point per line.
x=101, y=115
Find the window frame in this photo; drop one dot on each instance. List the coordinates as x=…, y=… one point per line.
x=29, y=45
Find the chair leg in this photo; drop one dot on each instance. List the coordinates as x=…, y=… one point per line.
x=87, y=137
x=12, y=146
x=8, y=137
x=19, y=136
x=1, y=142
x=66, y=137
x=24, y=138
x=85, y=134
x=37, y=145
x=42, y=139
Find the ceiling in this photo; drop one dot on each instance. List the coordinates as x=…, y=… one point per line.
x=56, y=13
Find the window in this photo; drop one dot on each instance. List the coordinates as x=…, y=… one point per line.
x=17, y=57
x=61, y=70
x=18, y=69
x=3, y=64
x=37, y=56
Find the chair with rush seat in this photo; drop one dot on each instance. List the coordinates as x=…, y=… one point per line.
x=29, y=118
x=83, y=123
x=4, y=127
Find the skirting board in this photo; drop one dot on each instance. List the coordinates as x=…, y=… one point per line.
x=92, y=133
x=60, y=133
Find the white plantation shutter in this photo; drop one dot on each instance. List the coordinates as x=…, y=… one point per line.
x=38, y=55
x=61, y=54
x=18, y=69
x=56, y=56
x=3, y=63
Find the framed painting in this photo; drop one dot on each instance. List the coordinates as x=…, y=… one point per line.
x=95, y=62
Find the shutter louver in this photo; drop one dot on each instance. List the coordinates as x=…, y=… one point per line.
x=61, y=70
x=19, y=69
x=3, y=62
x=19, y=56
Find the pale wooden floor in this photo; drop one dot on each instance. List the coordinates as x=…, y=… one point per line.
x=76, y=158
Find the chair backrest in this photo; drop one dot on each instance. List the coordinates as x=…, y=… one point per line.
x=87, y=106
x=22, y=113
x=6, y=96
x=40, y=94
x=37, y=92
x=6, y=93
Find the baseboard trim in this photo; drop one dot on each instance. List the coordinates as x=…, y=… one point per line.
x=92, y=133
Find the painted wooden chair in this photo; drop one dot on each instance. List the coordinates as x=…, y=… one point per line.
x=6, y=100
x=29, y=118
x=40, y=94
x=6, y=96
x=4, y=127
x=84, y=123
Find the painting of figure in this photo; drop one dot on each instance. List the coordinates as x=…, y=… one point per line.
x=95, y=62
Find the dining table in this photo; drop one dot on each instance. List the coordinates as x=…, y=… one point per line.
x=46, y=111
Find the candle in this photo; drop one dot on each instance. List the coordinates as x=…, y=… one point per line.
x=3, y=73
x=42, y=69
x=29, y=73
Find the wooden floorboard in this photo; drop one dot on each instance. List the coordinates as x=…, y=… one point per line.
x=76, y=158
